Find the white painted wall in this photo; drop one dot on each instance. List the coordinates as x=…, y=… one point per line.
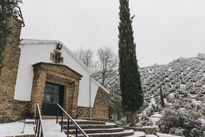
x=35, y=51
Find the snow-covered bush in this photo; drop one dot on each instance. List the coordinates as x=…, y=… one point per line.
x=145, y=121
x=176, y=131
x=149, y=111
x=203, y=111
x=185, y=120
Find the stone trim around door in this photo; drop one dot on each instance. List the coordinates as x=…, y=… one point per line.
x=57, y=74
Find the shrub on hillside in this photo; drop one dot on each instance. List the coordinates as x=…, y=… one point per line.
x=176, y=131
x=203, y=111
x=187, y=121
x=145, y=121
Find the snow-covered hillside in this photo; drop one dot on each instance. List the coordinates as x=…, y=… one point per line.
x=182, y=82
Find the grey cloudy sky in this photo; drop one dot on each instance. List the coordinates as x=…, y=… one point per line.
x=163, y=29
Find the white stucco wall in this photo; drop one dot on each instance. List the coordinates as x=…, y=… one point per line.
x=35, y=51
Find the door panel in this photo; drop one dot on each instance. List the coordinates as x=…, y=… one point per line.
x=53, y=94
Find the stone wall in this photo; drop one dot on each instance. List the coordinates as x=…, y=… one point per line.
x=83, y=113
x=100, y=108
x=101, y=105
x=11, y=109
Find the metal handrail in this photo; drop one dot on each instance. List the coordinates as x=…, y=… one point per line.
x=39, y=124
x=69, y=119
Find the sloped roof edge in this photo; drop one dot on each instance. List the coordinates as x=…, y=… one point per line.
x=100, y=85
x=35, y=41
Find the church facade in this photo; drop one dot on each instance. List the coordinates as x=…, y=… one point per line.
x=46, y=72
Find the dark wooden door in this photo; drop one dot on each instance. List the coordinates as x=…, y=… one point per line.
x=53, y=94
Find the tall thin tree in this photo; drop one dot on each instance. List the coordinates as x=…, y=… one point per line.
x=161, y=97
x=130, y=83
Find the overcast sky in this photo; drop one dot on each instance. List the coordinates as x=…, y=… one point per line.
x=163, y=29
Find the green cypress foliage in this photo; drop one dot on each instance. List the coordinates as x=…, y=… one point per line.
x=130, y=83
x=162, y=97
x=6, y=12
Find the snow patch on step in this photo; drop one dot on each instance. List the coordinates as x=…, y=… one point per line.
x=166, y=135
x=100, y=129
x=124, y=132
x=52, y=129
x=138, y=134
x=149, y=135
x=29, y=120
x=109, y=123
x=16, y=129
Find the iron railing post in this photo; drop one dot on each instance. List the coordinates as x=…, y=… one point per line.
x=68, y=128
x=38, y=131
x=41, y=133
x=77, y=127
x=61, y=122
x=36, y=122
x=36, y=116
x=57, y=115
x=76, y=132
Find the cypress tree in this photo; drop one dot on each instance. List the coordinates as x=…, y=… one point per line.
x=6, y=12
x=130, y=83
x=162, y=97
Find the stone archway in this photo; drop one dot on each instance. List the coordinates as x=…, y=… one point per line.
x=58, y=74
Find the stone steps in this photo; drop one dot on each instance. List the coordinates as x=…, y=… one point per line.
x=146, y=129
x=84, y=122
x=97, y=129
x=102, y=130
x=89, y=126
x=114, y=134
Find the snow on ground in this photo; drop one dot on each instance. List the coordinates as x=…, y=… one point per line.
x=152, y=102
x=52, y=129
x=166, y=135
x=151, y=136
x=154, y=118
x=137, y=134
x=203, y=120
x=196, y=102
x=109, y=123
x=16, y=128
x=157, y=115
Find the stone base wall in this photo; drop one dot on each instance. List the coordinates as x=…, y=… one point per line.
x=83, y=113
x=101, y=105
x=10, y=109
x=99, y=110
x=17, y=110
